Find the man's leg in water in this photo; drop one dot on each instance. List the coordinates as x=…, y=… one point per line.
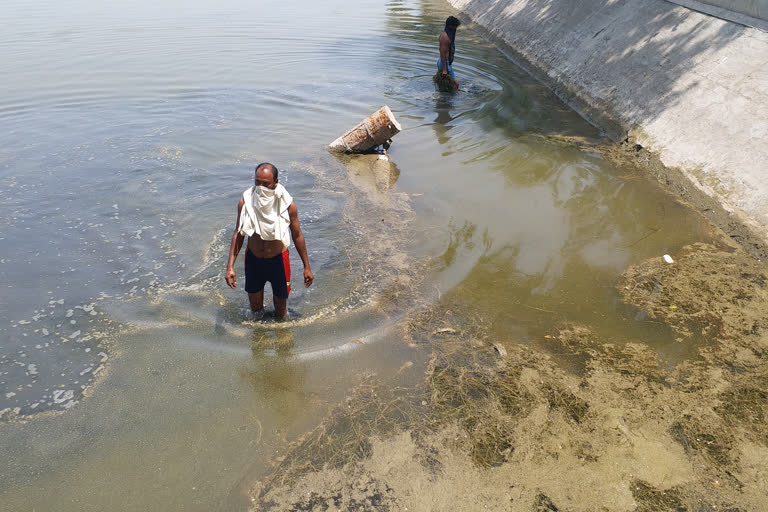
x=257, y=301
x=254, y=281
x=281, y=307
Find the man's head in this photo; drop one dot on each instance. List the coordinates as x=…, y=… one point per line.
x=266, y=175
x=452, y=23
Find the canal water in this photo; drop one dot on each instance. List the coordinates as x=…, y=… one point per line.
x=131, y=376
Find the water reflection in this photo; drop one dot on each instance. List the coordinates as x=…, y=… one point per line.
x=374, y=174
x=442, y=125
x=275, y=375
x=272, y=342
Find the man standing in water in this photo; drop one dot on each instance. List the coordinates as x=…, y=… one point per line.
x=266, y=213
x=447, y=41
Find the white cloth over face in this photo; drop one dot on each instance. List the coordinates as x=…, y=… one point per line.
x=265, y=213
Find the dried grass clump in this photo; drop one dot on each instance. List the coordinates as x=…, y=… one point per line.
x=345, y=436
x=470, y=387
x=650, y=499
x=444, y=83
x=544, y=503
x=701, y=437
x=573, y=407
x=745, y=407
x=491, y=444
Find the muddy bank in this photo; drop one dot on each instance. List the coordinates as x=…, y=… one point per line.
x=497, y=425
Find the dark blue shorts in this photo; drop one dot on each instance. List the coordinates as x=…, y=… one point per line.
x=276, y=270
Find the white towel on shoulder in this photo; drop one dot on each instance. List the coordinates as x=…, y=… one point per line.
x=265, y=213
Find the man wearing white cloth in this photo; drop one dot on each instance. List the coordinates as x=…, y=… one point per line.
x=266, y=214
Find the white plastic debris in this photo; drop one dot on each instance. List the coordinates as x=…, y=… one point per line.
x=668, y=258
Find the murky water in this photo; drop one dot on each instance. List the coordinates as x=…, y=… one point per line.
x=129, y=131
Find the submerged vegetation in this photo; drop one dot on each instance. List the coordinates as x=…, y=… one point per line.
x=626, y=434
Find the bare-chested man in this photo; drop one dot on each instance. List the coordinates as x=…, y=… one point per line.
x=447, y=42
x=266, y=213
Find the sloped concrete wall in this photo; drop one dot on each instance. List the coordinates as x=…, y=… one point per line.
x=691, y=87
x=751, y=13
x=754, y=8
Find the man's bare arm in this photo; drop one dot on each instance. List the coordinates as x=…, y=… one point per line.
x=445, y=51
x=298, y=241
x=234, y=249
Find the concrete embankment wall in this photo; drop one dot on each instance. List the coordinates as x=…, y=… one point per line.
x=691, y=87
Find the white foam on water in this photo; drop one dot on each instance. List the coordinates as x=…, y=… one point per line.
x=61, y=395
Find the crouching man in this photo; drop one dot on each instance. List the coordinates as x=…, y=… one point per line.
x=266, y=214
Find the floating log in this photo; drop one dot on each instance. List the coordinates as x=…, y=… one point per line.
x=372, y=131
